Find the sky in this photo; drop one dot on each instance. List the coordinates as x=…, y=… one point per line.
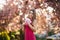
x=2, y=2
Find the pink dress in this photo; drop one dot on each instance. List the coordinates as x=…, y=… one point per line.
x=29, y=35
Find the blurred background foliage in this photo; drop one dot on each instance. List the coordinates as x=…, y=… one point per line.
x=10, y=17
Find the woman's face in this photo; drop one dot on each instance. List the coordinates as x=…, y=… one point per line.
x=30, y=16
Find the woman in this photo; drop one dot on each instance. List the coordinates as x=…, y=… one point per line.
x=28, y=28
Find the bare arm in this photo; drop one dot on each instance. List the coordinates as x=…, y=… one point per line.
x=32, y=27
